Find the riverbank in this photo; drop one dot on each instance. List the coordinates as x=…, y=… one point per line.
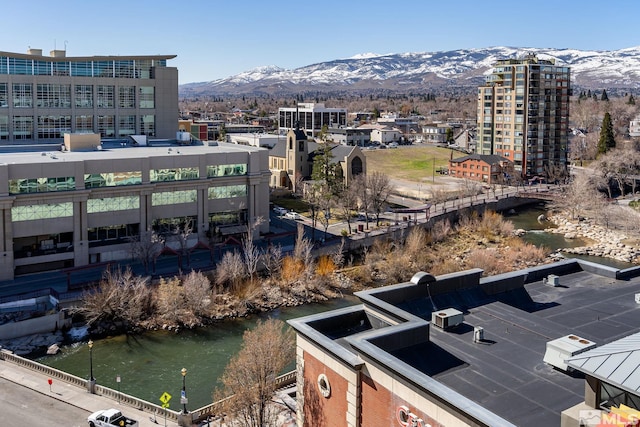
x=605, y=242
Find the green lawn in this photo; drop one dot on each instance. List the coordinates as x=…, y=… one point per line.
x=412, y=163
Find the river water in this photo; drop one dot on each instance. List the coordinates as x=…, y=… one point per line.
x=150, y=364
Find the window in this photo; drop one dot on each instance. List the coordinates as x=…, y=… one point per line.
x=106, y=126
x=112, y=179
x=127, y=125
x=123, y=69
x=4, y=96
x=41, y=185
x=178, y=174
x=226, y=170
x=81, y=69
x=105, y=96
x=146, y=97
x=53, y=96
x=4, y=127
x=22, y=127
x=22, y=95
x=173, y=197
x=228, y=191
x=53, y=126
x=84, y=96
x=20, y=66
x=112, y=204
x=148, y=124
x=112, y=234
x=84, y=124
x=44, y=211
x=127, y=97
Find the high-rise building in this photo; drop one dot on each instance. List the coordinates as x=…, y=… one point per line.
x=523, y=114
x=44, y=97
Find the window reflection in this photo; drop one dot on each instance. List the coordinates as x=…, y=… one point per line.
x=41, y=185
x=112, y=179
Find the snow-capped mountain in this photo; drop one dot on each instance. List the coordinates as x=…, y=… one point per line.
x=402, y=72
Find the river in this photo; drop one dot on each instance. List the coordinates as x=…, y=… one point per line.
x=150, y=364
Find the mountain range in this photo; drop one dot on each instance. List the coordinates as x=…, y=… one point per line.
x=455, y=70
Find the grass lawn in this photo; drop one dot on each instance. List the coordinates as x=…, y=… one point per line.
x=411, y=163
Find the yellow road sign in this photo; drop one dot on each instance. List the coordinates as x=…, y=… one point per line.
x=165, y=398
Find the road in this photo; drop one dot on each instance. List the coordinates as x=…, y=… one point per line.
x=22, y=406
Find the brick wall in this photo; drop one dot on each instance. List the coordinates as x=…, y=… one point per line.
x=320, y=411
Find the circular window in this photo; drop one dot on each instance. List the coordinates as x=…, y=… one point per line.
x=323, y=385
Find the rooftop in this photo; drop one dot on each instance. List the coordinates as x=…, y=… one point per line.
x=501, y=379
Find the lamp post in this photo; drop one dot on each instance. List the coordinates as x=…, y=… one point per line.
x=92, y=380
x=184, y=390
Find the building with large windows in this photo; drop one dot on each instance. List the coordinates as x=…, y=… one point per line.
x=310, y=117
x=44, y=97
x=73, y=208
x=523, y=114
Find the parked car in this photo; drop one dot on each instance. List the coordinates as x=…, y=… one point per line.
x=110, y=417
x=280, y=211
x=393, y=145
x=293, y=215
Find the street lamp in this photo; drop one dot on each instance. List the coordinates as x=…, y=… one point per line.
x=184, y=390
x=90, y=344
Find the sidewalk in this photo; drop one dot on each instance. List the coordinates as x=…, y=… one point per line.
x=70, y=394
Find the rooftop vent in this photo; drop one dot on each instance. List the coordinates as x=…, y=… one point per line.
x=446, y=319
x=561, y=349
x=478, y=334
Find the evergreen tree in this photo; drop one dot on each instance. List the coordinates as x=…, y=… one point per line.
x=606, y=141
x=589, y=93
x=631, y=100
x=323, y=167
x=604, y=96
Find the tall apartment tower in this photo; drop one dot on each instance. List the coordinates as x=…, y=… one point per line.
x=523, y=114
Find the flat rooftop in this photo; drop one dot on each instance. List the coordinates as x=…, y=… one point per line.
x=504, y=373
x=50, y=153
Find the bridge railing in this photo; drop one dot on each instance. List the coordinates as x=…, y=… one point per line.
x=126, y=399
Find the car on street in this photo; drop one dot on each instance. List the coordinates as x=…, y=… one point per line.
x=280, y=211
x=393, y=145
x=293, y=215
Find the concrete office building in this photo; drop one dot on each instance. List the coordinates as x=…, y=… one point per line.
x=311, y=117
x=81, y=206
x=461, y=349
x=523, y=114
x=44, y=97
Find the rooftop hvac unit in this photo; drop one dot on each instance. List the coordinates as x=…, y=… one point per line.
x=552, y=280
x=561, y=349
x=478, y=334
x=448, y=318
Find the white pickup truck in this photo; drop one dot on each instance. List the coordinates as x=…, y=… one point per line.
x=109, y=418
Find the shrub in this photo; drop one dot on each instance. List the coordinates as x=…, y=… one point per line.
x=326, y=266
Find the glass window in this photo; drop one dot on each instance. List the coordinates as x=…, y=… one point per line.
x=107, y=126
x=127, y=97
x=45, y=211
x=53, y=96
x=20, y=66
x=84, y=124
x=124, y=69
x=53, y=126
x=148, y=124
x=146, y=96
x=84, y=96
x=227, y=191
x=4, y=96
x=102, y=68
x=112, y=234
x=226, y=170
x=178, y=174
x=143, y=69
x=22, y=127
x=164, y=226
x=112, y=179
x=60, y=68
x=106, y=97
x=22, y=95
x=127, y=125
x=81, y=69
x=112, y=204
x=173, y=197
x=42, y=68
x=4, y=127
x=4, y=65
x=41, y=185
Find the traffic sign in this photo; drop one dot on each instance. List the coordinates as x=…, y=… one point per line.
x=165, y=398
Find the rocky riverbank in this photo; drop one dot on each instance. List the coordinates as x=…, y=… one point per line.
x=606, y=242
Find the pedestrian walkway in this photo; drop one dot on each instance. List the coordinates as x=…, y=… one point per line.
x=61, y=392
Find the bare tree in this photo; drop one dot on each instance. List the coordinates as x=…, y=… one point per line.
x=273, y=259
x=120, y=297
x=145, y=247
x=230, y=270
x=346, y=202
x=181, y=237
x=302, y=250
x=380, y=188
x=360, y=187
x=250, y=252
x=249, y=378
x=197, y=292
x=577, y=195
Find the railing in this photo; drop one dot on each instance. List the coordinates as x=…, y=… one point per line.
x=126, y=399
x=214, y=408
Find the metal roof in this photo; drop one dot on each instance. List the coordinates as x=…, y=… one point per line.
x=616, y=363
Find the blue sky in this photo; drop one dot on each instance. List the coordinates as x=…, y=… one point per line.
x=219, y=38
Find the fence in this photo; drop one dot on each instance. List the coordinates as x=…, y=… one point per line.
x=126, y=399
